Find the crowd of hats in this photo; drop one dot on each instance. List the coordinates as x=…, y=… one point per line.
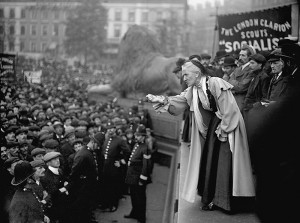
x=34, y=115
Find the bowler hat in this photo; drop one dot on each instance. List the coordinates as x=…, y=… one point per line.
x=220, y=54
x=50, y=156
x=22, y=171
x=205, y=56
x=37, y=151
x=258, y=58
x=141, y=130
x=78, y=141
x=229, y=61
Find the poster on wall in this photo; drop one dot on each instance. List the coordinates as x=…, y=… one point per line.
x=7, y=67
x=260, y=29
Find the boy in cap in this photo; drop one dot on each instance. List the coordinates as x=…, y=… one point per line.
x=54, y=183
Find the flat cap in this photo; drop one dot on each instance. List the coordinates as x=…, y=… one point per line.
x=50, y=156
x=51, y=143
x=57, y=123
x=46, y=136
x=36, y=163
x=68, y=133
x=258, y=58
x=38, y=151
x=21, y=130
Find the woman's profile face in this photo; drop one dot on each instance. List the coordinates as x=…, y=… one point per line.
x=190, y=78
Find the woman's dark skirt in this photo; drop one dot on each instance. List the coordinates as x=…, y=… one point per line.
x=215, y=177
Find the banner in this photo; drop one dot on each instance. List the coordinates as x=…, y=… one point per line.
x=260, y=29
x=7, y=67
x=33, y=77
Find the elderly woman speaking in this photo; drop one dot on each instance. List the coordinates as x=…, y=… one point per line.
x=219, y=164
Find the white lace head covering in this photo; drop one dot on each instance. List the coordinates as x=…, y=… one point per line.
x=189, y=67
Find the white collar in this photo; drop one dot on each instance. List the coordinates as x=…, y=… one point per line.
x=53, y=170
x=245, y=65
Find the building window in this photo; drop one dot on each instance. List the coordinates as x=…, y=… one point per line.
x=56, y=14
x=33, y=14
x=33, y=47
x=22, y=30
x=44, y=47
x=44, y=14
x=55, y=30
x=44, y=30
x=23, y=13
x=131, y=16
x=33, y=30
x=117, y=31
x=12, y=13
x=144, y=16
x=11, y=46
x=118, y=15
x=1, y=13
x=22, y=46
x=12, y=30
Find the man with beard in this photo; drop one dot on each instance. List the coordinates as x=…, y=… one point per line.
x=242, y=76
x=139, y=166
x=113, y=155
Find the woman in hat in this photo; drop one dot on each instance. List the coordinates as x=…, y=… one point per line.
x=25, y=206
x=219, y=161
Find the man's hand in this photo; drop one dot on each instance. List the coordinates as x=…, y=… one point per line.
x=117, y=163
x=155, y=98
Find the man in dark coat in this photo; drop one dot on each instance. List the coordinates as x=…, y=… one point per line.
x=54, y=183
x=280, y=71
x=242, y=76
x=113, y=155
x=139, y=167
x=83, y=181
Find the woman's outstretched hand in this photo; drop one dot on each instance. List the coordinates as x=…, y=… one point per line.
x=155, y=98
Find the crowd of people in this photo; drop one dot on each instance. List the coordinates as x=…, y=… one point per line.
x=238, y=121
x=64, y=156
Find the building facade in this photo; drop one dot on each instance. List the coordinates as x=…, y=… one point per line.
x=34, y=28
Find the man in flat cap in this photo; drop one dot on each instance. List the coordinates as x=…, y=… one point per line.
x=54, y=183
x=278, y=87
x=58, y=131
x=258, y=88
x=38, y=153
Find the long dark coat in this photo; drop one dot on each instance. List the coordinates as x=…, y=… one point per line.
x=82, y=185
x=25, y=208
x=278, y=88
x=52, y=183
